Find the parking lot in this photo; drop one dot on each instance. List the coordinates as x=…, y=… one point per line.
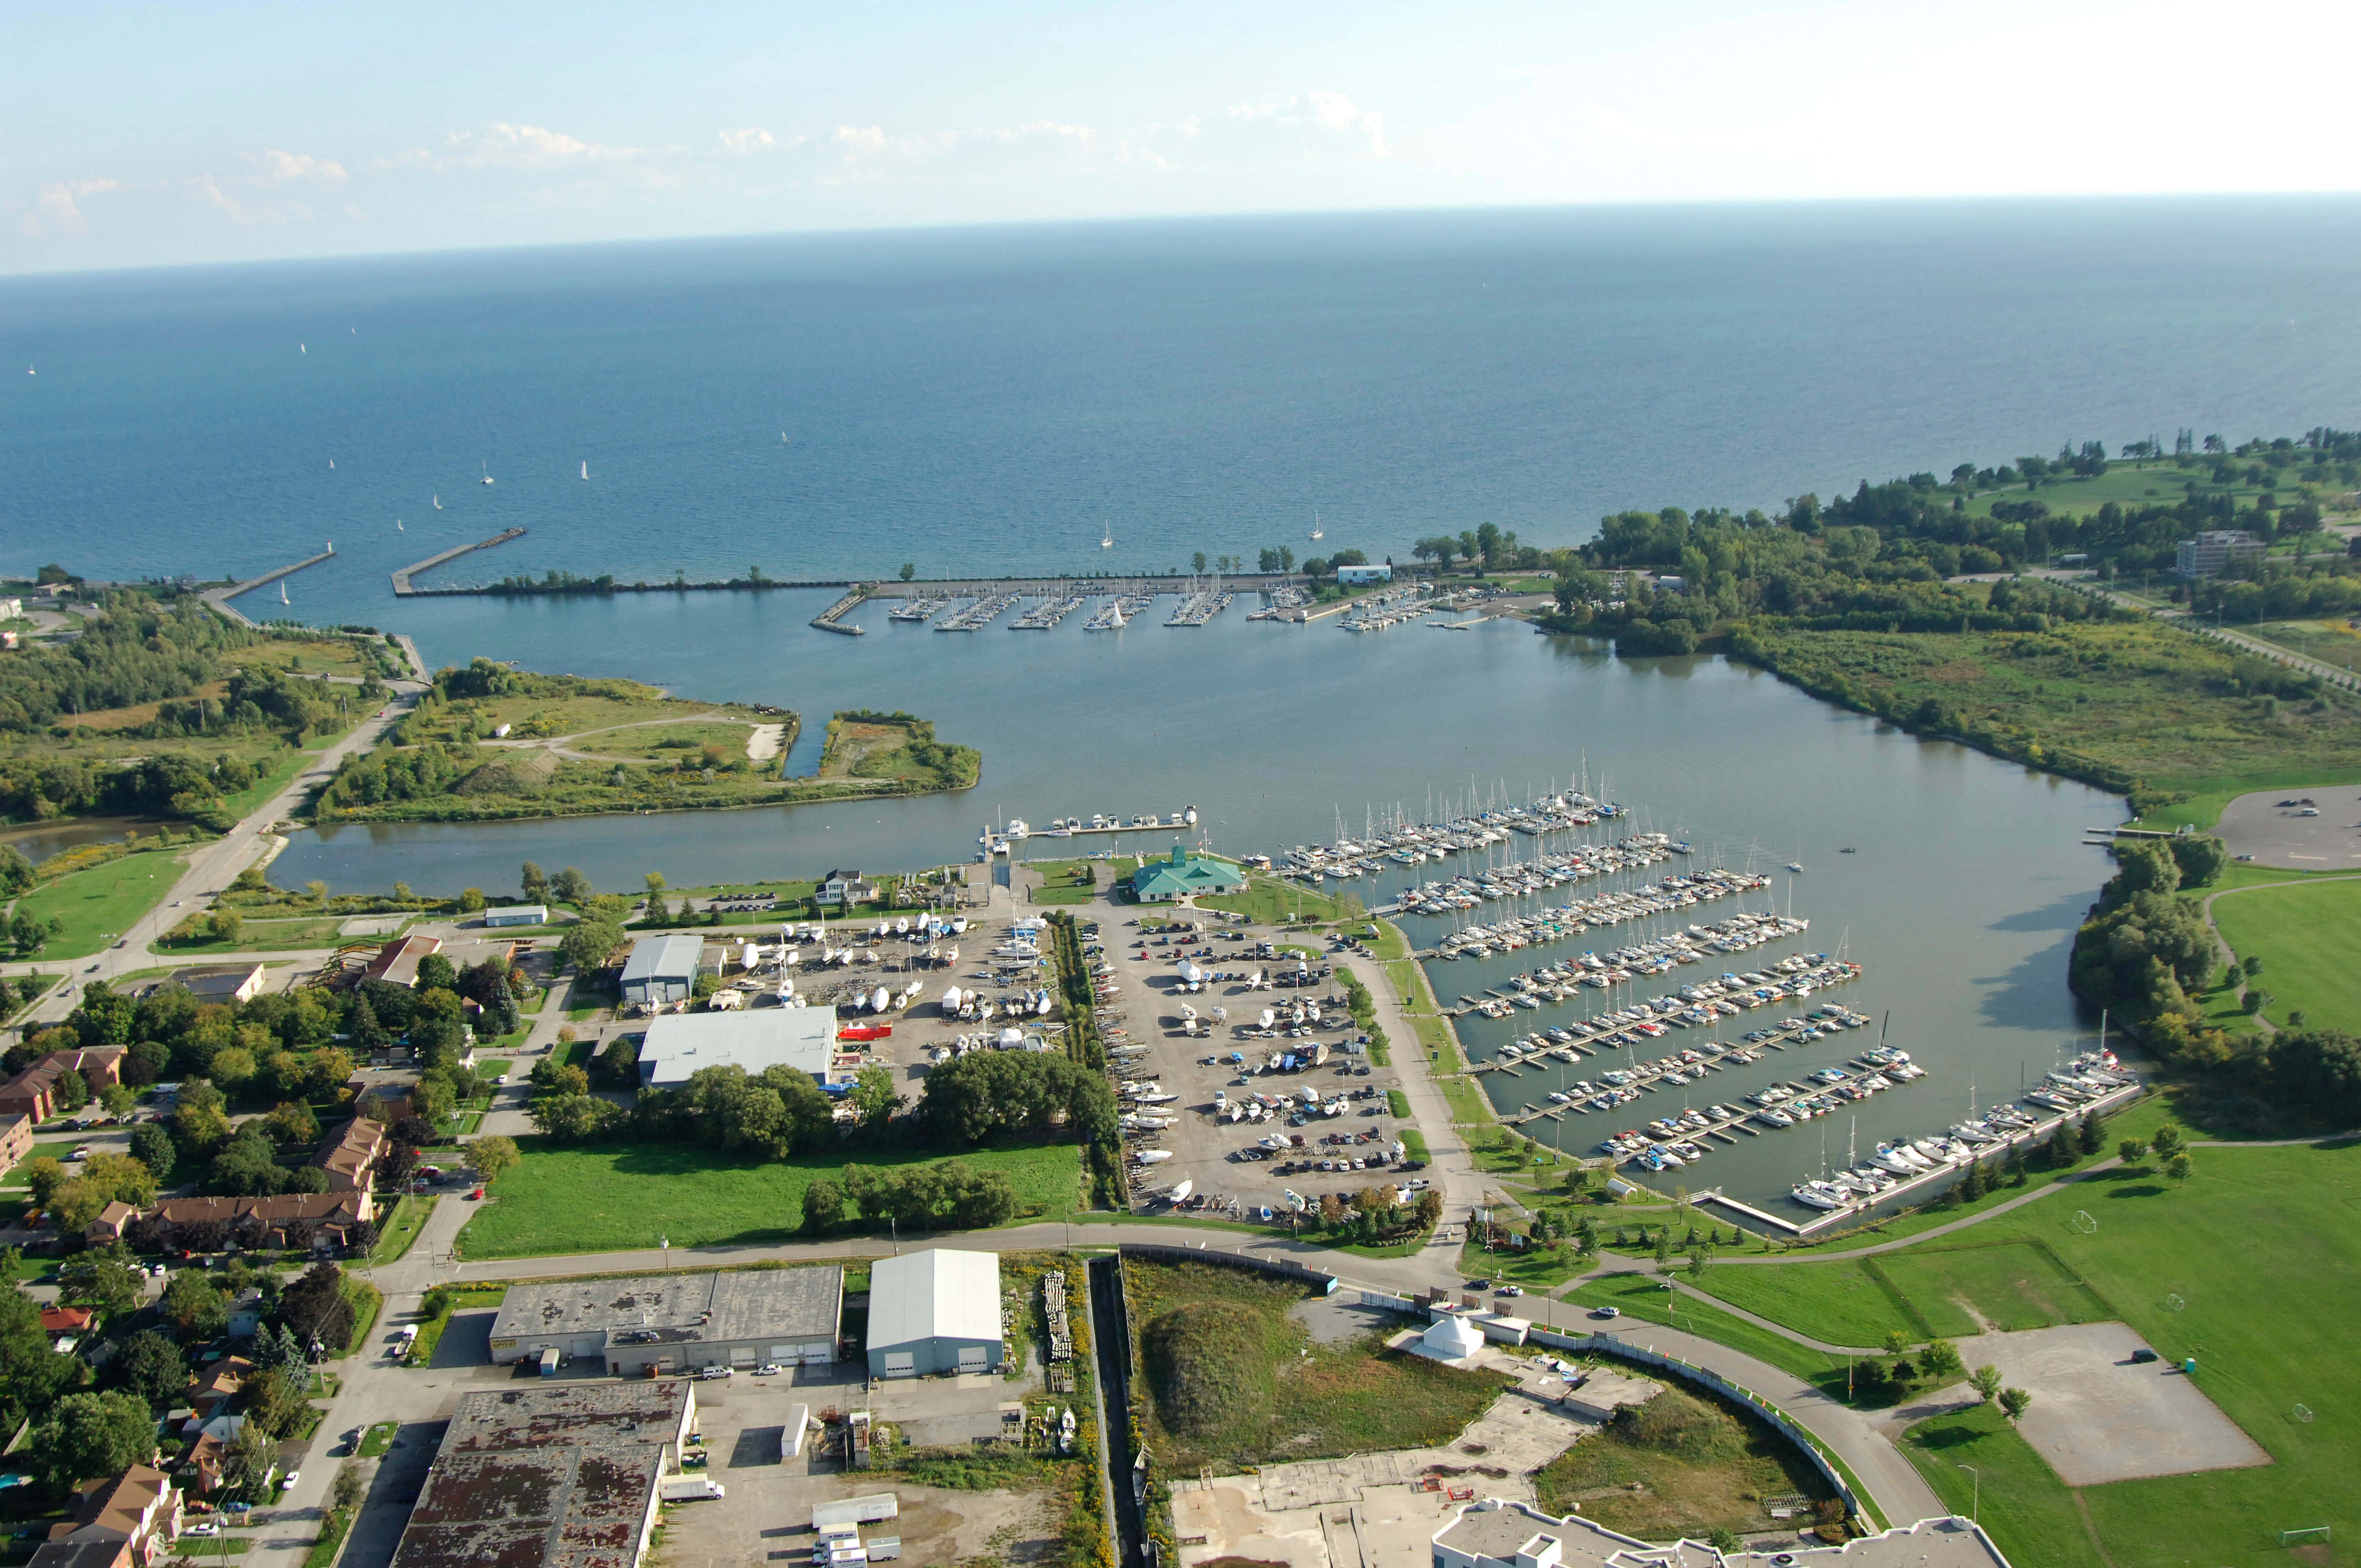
x=1230, y=1061
x=764, y=1513
x=2099, y=1416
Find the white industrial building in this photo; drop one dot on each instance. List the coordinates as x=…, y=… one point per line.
x=679, y=1044
x=934, y=1311
x=662, y=968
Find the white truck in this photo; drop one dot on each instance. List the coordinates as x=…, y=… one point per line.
x=687, y=1488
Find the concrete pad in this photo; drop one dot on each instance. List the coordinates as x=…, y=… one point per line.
x=2276, y=834
x=2097, y=1417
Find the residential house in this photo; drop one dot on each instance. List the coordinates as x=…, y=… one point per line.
x=110, y=1224
x=336, y=1214
x=33, y=1092
x=383, y=1098
x=843, y=889
x=351, y=1153
x=131, y=1519
x=65, y=1326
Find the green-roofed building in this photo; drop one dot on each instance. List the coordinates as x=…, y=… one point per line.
x=1181, y=874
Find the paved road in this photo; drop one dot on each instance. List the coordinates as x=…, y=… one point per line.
x=209, y=869
x=2246, y=642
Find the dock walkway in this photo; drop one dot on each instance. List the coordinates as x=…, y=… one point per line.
x=401, y=587
x=832, y=617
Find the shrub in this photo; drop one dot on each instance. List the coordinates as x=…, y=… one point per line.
x=1208, y=1368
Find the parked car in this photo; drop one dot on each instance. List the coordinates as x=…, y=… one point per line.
x=1608, y=1312
x=2143, y=1356
x=769, y=1369
x=713, y=1372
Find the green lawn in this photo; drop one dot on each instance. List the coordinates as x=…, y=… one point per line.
x=401, y=1228
x=269, y=936
x=2020, y=1501
x=1837, y=1303
x=2261, y=1254
x=1643, y=1296
x=2010, y=1284
x=99, y=905
x=379, y=1437
x=56, y=1149
x=1271, y=901
x=1468, y=1106
x=614, y=1197
x=2306, y=936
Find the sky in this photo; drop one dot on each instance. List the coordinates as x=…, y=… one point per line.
x=151, y=135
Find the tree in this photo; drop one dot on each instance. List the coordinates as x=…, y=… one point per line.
x=153, y=1147
x=72, y=1090
x=2166, y=1142
x=1985, y=1381
x=103, y=1279
x=317, y=1307
x=823, y=1206
x=117, y=1100
x=345, y=1492
x=588, y=944
x=1940, y=1359
x=148, y=1367
x=2014, y=1402
x=436, y=973
x=909, y=570
x=873, y=1096
x=1197, y=562
x=86, y=1436
x=2179, y=1168
x=292, y=1122
x=575, y=1118
x=572, y=887
x=44, y=1175
x=489, y=1157
x=534, y=884
x=1896, y=1342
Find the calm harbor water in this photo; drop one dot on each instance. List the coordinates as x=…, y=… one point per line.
x=1961, y=900
x=986, y=400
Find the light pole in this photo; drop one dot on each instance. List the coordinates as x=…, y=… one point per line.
x=1975, y=1495
x=665, y=1242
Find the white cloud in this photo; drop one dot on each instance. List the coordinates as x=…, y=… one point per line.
x=218, y=198
x=501, y=145
x=1324, y=109
x=750, y=140
x=57, y=210
x=274, y=164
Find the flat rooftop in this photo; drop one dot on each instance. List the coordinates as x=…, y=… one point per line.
x=556, y=1477
x=778, y=1304
x=679, y=1044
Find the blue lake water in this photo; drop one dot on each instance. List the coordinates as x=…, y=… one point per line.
x=987, y=400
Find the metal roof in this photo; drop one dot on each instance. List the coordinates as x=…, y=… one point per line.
x=937, y=1294
x=680, y=1044
x=676, y=957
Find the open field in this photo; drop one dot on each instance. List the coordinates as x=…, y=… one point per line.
x=2306, y=936
x=1268, y=1392
x=1684, y=1464
x=1066, y=882
x=2082, y=699
x=651, y=753
x=2246, y=1267
x=613, y=1197
x=320, y=656
x=56, y=1149
x=2030, y=1513
x=100, y=903
x=1954, y=1290
x=269, y=936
